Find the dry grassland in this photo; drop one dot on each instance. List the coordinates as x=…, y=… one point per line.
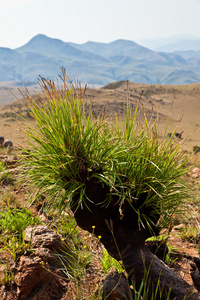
x=180, y=103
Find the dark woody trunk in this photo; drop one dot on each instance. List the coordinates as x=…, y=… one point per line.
x=125, y=241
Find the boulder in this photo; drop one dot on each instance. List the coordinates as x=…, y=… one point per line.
x=43, y=237
x=8, y=144
x=41, y=275
x=1, y=140
x=36, y=280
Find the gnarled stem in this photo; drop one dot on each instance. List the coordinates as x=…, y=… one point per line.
x=127, y=243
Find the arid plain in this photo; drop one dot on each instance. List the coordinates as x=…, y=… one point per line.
x=180, y=104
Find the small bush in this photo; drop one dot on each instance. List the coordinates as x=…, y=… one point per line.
x=108, y=262
x=12, y=226
x=2, y=168
x=189, y=233
x=7, y=178
x=13, y=222
x=196, y=149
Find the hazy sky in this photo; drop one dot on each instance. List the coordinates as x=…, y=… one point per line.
x=80, y=21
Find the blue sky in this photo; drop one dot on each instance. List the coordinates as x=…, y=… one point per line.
x=80, y=21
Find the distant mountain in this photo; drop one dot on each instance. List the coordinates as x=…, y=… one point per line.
x=171, y=44
x=191, y=56
x=55, y=48
x=120, y=48
x=183, y=45
x=98, y=63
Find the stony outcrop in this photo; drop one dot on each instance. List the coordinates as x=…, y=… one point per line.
x=39, y=275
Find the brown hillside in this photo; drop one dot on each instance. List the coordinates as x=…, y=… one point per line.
x=181, y=103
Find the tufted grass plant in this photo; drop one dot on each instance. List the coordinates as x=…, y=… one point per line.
x=69, y=146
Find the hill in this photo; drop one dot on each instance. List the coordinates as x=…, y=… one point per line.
x=185, y=45
x=180, y=103
x=97, y=63
x=173, y=43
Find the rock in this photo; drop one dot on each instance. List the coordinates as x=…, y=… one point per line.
x=8, y=144
x=1, y=140
x=196, y=280
x=197, y=262
x=195, y=173
x=39, y=275
x=195, y=272
x=179, y=135
x=35, y=280
x=115, y=286
x=43, y=218
x=43, y=237
x=29, y=274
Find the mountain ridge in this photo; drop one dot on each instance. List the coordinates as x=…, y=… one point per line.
x=97, y=63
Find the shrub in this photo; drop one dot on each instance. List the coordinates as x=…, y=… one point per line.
x=108, y=262
x=7, y=178
x=69, y=147
x=14, y=222
x=196, y=149
x=119, y=177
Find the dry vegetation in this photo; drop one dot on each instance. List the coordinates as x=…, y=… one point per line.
x=180, y=103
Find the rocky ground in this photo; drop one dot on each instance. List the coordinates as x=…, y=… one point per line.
x=37, y=273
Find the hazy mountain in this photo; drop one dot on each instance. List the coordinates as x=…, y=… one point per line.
x=98, y=63
x=183, y=45
x=57, y=49
x=171, y=44
x=186, y=77
x=120, y=48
